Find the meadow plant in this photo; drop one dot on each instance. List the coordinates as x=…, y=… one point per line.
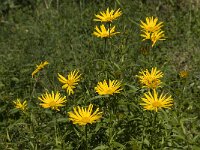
x=132, y=101
x=107, y=17
x=70, y=82
x=52, y=100
x=150, y=79
x=83, y=116
x=39, y=67
x=19, y=105
x=104, y=88
x=151, y=101
x=151, y=30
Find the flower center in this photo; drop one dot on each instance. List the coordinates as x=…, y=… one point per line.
x=109, y=91
x=150, y=28
x=52, y=104
x=86, y=119
x=70, y=82
x=105, y=34
x=156, y=104
x=153, y=83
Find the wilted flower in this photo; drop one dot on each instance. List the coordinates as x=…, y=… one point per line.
x=103, y=32
x=83, y=116
x=72, y=79
x=155, y=102
x=150, y=79
x=52, y=100
x=108, y=16
x=39, y=67
x=112, y=87
x=183, y=74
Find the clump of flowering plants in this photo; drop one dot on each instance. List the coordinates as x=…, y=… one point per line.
x=114, y=100
x=151, y=30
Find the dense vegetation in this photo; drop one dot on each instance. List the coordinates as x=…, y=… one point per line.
x=60, y=32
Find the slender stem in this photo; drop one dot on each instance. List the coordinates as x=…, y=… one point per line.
x=57, y=3
x=154, y=128
x=109, y=28
x=111, y=52
x=34, y=86
x=46, y=4
x=55, y=127
x=110, y=123
x=86, y=138
x=155, y=117
x=105, y=46
x=143, y=132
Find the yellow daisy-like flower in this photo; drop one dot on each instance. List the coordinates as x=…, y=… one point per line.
x=157, y=35
x=183, y=74
x=150, y=79
x=83, y=116
x=108, y=16
x=70, y=82
x=155, y=102
x=39, y=67
x=146, y=35
x=103, y=32
x=19, y=105
x=151, y=24
x=53, y=100
x=112, y=87
x=154, y=37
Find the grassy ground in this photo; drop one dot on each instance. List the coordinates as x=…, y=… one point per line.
x=61, y=33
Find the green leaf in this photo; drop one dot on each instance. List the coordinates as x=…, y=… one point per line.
x=146, y=141
x=98, y=97
x=101, y=147
x=63, y=120
x=118, y=145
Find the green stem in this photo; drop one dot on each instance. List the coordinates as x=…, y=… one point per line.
x=141, y=147
x=57, y=4
x=155, y=118
x=154, y=128
x=34, y=86
x=109, y=28
x=55, y=128
x=111, y=52
x=105, y=49
x=110, y=123
x=86, y=138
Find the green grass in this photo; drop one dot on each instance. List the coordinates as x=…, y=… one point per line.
x=62, y=35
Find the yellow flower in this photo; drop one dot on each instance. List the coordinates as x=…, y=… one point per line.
x=39, y=67
x=108, y=16
x=83, y=116
x=19, y=105
x=150, y=79
x=157, y=35
x=183, y=74
x=103, y=33
x=154, y=37
x=52, y=100
x=151, y=24
x=155, y=102
x=103, y=88
x=146, y=35
x=70, y=82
